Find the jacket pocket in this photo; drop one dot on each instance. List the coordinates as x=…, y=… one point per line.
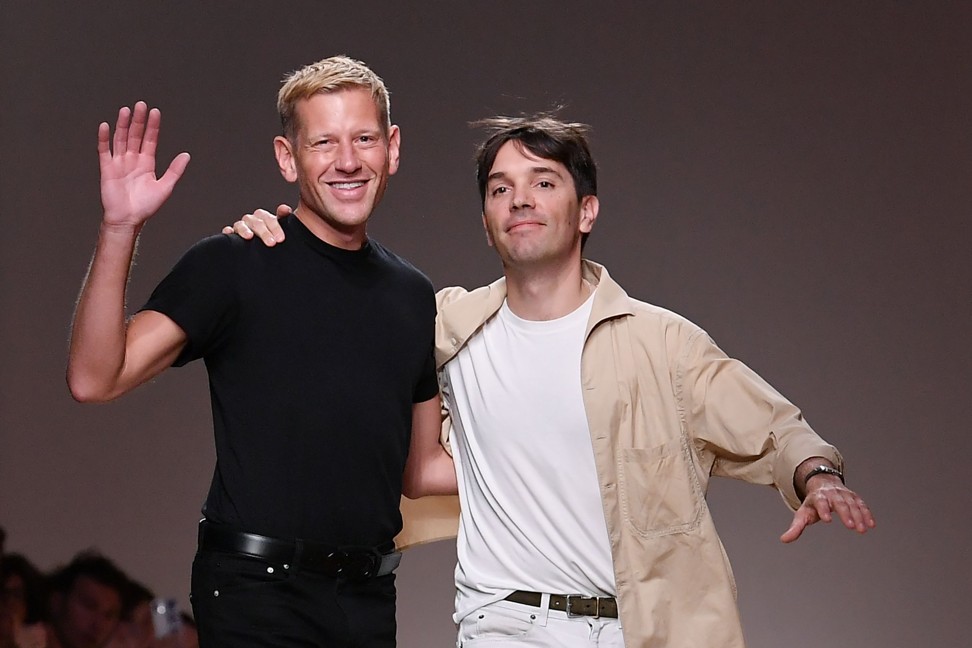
x=660, y=494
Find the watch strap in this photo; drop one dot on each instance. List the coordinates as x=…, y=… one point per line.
x=823, y=470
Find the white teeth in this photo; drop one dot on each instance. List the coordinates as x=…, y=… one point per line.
x=346, y=185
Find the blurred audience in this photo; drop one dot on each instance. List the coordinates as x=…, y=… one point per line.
x=24, y=592
x=86, y=602
x=189, y=637
x=135, y=630
x=6, y=621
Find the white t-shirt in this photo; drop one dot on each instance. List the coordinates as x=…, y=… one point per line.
x=531, y=515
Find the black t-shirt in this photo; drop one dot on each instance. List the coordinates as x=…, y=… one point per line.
x=315, y=356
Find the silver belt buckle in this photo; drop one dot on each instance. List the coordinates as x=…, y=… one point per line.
x=571, y=598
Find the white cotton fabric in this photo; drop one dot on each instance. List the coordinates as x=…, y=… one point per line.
x=517, y=387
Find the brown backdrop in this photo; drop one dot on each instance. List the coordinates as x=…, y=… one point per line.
x=795, y=177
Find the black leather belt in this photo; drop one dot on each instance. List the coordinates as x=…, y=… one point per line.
x=354, y=563
x=573, y=604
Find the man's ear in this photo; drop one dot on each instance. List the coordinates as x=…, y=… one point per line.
x=283, y=149
x=489, y=237
x=394, y=148
x=588, y=213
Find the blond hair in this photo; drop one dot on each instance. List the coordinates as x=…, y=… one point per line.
x=329, y=75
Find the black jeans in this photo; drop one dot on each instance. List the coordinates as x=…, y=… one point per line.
x=243, y=602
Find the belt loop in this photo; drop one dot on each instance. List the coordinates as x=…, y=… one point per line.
x=201, y=533
x=298, y=556
x=544, y=609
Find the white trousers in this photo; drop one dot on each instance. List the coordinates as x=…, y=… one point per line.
x=511, y=624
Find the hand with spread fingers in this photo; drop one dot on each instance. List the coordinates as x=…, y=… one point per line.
x=130, y=190
x=261, y=223
x=825, y=495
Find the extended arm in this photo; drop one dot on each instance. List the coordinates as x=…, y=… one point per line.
x=429, y=469
x=108, y=356
x=759, y=436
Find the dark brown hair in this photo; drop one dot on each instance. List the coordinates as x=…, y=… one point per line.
x=544, y=136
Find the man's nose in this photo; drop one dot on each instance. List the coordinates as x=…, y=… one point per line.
x=522, y=197
x=347, y=158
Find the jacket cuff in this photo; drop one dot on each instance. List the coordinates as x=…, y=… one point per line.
x=796, y=452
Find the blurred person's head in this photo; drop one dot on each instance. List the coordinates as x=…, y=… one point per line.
x=23, y=589
x=135, y=629
x=6, y=620
x=86, y=600
x=188, y=636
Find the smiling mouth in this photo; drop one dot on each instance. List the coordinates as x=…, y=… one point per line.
x=345, y=186
x=517, y=226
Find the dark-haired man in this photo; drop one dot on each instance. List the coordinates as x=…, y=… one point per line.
x=559, y=545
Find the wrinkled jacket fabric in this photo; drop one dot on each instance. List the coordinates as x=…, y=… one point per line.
x=666, y=409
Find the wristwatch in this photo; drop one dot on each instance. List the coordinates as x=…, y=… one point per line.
x=823, y=470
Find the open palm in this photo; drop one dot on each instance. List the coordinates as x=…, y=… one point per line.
x=130, y=191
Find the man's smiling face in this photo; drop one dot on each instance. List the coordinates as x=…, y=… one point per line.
x=341, y=160
x=531, y=211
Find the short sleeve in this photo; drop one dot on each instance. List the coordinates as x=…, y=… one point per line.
x=428, y=385
x=199, y=294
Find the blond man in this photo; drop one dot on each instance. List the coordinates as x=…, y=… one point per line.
x=296, y=547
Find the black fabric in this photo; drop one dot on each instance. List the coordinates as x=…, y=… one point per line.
x=244, y=602
x=315, y=356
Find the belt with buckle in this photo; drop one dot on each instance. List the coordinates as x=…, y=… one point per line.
x=355, y=563
x=572, y=604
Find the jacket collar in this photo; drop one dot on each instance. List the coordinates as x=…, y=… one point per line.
x=459, y=319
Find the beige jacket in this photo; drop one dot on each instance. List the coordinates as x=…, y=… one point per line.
x=667, y=409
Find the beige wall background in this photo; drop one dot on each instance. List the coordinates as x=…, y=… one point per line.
x=795, y=177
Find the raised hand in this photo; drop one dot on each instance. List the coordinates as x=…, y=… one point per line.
x=130, y=191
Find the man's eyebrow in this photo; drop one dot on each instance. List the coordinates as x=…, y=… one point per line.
x=330, y=134
x=535, y=170
x=542, y=169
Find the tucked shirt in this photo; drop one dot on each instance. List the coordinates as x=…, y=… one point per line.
x=517, y=384
x=316, y=356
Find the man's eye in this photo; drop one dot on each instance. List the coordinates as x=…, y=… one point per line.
x=499, y=190
x=545, y=184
